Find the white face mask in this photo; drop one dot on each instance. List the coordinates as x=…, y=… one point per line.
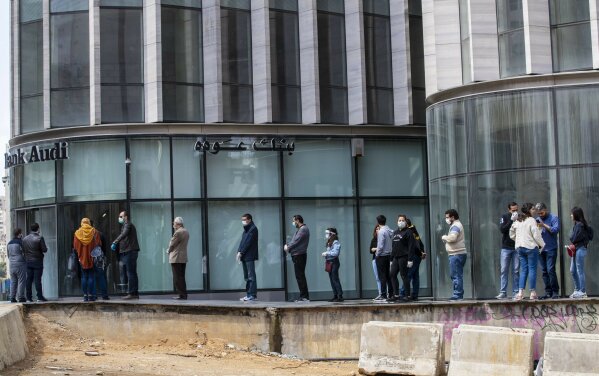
x=448, y=221
x=327, y=235
x=244, y=223
x=401, y=224
x=293, y=224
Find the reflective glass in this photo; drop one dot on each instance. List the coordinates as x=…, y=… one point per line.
x=39, y=181
x=380, y=106
x=465, y=41
x=121, y=3
x=512, y=60
x=510, y=15
x=30, y=10
x=333, y=105
x=182, y=102
x=30, y=52
x=446, y=136
x=380, y=7
x=237, y=104
x=184, y=3
x=181, y=45
x=224, y=234
x=68, y=5
x=122, y=104
x=417, y=52
x=239, y=4
x=122, y=46
x=331, y=50
x=32, y=114
x=191, y=212
x=335, y=6
x=69, y=107
x=187, y=178
x=286, y=103
x=571, y=47
x=566, y=11
x=419, y=104
x=46, y=217
x=150, y=168
x=377, y=41
x=290, y=5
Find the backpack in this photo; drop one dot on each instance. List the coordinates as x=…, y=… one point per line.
x=100, y=261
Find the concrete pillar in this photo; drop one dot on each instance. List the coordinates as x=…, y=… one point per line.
x=16, y=77
x=213, y=86
x=152, y=61
x=356, y=62
x=46, y=62
x=95, y=88
x=261, y=72
x=401, y=64
x=308, y=40
x=537, y=37
x=594, y=15
x=484, y=48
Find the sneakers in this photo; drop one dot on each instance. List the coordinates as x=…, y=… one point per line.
x=42, y=299
x=130, y=297
x=248, y=299
x=501, y=296
x=518, y=296
x=546, y=296
x=579, y=295
x=302, y=300
x=456, y=298
x=13, y=300
x=574, y=294
x=378, y=299
x=533, y=295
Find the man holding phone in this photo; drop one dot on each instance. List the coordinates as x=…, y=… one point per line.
x=549, y=225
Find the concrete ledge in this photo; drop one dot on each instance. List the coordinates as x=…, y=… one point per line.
x=13, y=340
x=571, y=354
x=402, y=348
x=488, y=350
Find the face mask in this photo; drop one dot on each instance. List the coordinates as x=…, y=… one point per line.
x=448, y=221
x=244, y=223
x=401, y=224
x=293, y=224
x=327, y=236
x=121, y=220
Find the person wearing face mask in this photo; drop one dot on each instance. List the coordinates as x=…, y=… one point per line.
x=298, y=249
x=549, y=225
x=128, y=248
x=177, y=257
x=582, y=234
x=455, y=246
x=414, y=272
x=247, y=254
x=18, y=267
x=331, y=255
x=403, y=253
x=383, y=257
x=509, y=257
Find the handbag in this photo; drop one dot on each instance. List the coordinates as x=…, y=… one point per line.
x=72, y=262
x=571, y=250
x=328, y=266
x=98, y=257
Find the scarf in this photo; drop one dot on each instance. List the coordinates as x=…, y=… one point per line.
x=86, y=232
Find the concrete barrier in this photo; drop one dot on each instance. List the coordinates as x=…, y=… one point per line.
x=493, y=351
x=571, y=354
x=13, y=340
x=401, y=348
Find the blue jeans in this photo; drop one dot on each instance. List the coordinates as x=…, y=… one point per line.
x=101, y=281
x=577, y=269
x=129, y=263
x=456, y=272
x=87, y=283
x=414, y=278
x=249, y=274
x=528, y=267
x=376, y=275
x=334, y=278
x=509, y=261
x=547, y=259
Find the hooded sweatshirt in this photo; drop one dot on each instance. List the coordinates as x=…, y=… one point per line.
x=383, y=243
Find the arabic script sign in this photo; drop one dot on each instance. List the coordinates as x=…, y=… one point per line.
x=265, y=144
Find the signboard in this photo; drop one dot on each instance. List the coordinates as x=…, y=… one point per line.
x=265, y=144
x=36, y=153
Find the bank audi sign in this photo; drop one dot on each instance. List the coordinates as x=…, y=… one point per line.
x=36, y=153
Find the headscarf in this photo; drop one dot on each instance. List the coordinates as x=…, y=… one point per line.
x=86, y=232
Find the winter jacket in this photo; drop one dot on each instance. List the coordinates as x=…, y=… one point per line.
x=299, y=242
x=581, y=236
x=127, y=240
x=177, y=247
x=404, y=244
x=34, y=247
x=16, y=256
x=455, y=240
x=248, y=247
x=527, y=234
x=505, y=223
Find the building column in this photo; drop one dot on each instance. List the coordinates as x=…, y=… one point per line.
x=537, y=37
x=484, y=46
x=213, y=85
x=46, y=62
x=261, y=72
x=152, y=61
x=16, y=77
x=356, y=62
x=308, y=41
x=400, y=57
x=594, y=13
x=95, y=89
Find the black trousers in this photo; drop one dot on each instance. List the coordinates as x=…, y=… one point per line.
x=400, y=264
x=299, y=266
x=382, y=266
x=179, y=279
x=34, y=276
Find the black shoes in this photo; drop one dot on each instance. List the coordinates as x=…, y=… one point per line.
x=336, y=299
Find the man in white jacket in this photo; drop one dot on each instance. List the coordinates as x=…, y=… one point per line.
x=456, y=249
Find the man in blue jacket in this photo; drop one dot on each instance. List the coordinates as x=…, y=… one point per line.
x=247, y=255
x=549, y=225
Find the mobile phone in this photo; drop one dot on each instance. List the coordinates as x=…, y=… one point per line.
x=538, y=220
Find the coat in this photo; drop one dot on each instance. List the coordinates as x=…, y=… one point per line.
x=177, y=247
x=84, y=251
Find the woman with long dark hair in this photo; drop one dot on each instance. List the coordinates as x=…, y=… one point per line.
x=582, y=234
x=331, y=256
x=375, y=234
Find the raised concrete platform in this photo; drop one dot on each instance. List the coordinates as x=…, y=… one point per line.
x=13, y=340
x=312, y=330
x=571, y=354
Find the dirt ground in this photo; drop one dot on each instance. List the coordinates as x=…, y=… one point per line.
x=54, y=350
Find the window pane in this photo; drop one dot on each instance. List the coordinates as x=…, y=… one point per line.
x=284, y=48
x=150, y=168
x=330, y=5
x=31, y=48
x=32, y=114
x=417, y=52
x=69, y=53
x=512, y=59
x=509, y=15
x=237, y=104
x=319, y=168
x=152, y=221
x=69, y=107
x=333, y=105
x=122, y=104
x=243, y=174
x=380, y=7
x=121, y=3
x=380, y=106
x=224, y=234
x=68, y=5
x=446, y=136
x=121, y=44
x=419, y=104
x=182, y=103
x=191, y=212
x=80, y=172
x=318, y=216
x=410, y=182
x=187, y=180
x=286, y=102
x=290, y=5
x=571, y=47
x=331, y=49
x=236, y=46
x=181, y=45
x=30, y=10
x=184, y=3
x=240, y=4
x=38, y=181
x=46, y=217
x=377, y=41
x=565, y=11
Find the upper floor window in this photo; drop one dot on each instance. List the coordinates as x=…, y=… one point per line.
x=31, y=66
x=571, y=45
x=510, y=31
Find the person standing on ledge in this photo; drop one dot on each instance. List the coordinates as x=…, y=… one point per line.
x=549, y=225
x=247, y=254
x=508, y=259
x=177, y=257
x=34, y=247
x=298, y=249
x=128, y=251
x=456, y=249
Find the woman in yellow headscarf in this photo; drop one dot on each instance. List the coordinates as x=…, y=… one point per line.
x=85, y=240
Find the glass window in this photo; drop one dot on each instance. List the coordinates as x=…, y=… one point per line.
x=80, y=178
x=510, y=15
x=380, y=7
x=69, y=107
x=32, y=113
x=332, y=67
x=561, y=12
x=318, y=216
x=182, y=64
x=239, y=4
x=510, y=29
x=237, y=65
x=150, y=168
x=403, y=175
x=30, y=10
x=319, y=169
x=122, y=104
x=121, y=3
x=39, y=182
x=153, y=223
x=570, y=35
x=334, y=6
x=243, y=174
x=417, y=67
x=465, y=41
x=191, y=212
x=31, y=72
x=187, y=178
x=184, y=3
x=46, y=217
x=224, y=234
x=447, y=139
x=290, y=5
x=68, y=5
x=284, y=54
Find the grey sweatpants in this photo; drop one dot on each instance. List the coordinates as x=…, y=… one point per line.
x=18, y=277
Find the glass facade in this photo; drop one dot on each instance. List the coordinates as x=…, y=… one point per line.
x=465, y=41
x=510, y=30
x=570, y=35
x=417, y=63
x=31, y=66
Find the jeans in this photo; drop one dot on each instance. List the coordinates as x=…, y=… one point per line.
x=18, y=275
x=413, y=278
x=547, y=260
x=399, y=264
x=87, y=283
x=376, y=275
x=528, y=266
x=249, y=274
x=35, y=270
x=129, y=260
x=509, y=261
x=299, y=266
x=382, y=264
x=456, y=271
x=577, y=269
x=101, y=281
x=334, y=278
x=179, y=284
